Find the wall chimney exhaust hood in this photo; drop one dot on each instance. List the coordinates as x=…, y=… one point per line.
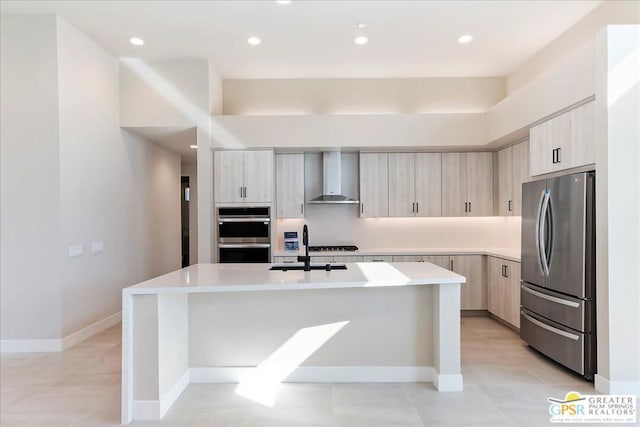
x=331, y=181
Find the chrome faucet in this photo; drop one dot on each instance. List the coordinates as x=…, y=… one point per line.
x=305, y=241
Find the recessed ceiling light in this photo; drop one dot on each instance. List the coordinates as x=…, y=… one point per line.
x=361, y=24
x=361, y=40
x=283, y=2
x=465, y=39
x=193, y=146
x=137, y=41
x=254, y=41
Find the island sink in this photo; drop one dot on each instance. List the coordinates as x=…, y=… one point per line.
x=327, y=267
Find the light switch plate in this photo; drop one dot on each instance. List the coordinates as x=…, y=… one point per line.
x=97, y=247
x=75, y=250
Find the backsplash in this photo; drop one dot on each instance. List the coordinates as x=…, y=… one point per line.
x=341, y=225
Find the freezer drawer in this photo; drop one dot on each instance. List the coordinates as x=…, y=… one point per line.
x=560, y=308
x=560, y=343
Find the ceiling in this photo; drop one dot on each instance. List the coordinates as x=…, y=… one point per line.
x=314, y=39
x=178, y=139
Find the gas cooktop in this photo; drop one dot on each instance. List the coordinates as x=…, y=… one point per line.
x=333, y=248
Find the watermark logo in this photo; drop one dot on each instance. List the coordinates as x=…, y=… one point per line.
x=577, y=408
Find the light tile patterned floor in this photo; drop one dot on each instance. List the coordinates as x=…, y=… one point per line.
x=506, y=383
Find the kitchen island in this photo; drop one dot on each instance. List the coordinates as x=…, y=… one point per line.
x=245, y=324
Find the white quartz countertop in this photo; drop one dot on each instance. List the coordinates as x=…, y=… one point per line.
x=258, y=277
x=506, y=253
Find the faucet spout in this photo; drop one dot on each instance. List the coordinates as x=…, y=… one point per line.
x=305, y=241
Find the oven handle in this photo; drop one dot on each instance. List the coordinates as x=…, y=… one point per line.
x=243, y=245
x=265, y=220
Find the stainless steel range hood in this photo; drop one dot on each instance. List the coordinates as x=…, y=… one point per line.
x=331, y=181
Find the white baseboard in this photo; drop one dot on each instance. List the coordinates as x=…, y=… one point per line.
x=605, y=386
x=56, y=345
x=30, y=346
x=332, y=374
x=91, y=330
x=172, y=395
x=448, y=382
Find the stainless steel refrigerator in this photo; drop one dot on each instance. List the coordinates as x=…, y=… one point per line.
x=557, y=298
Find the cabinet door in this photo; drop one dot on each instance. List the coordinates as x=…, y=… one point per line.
x=505, y=182
x=580, y=150
x=228, y=176
x=290, y=185
x=374, y=185
x=322, y=259
x=541, y=148
x=407, y=258
x=454, y=184
x=439, y=260
x=520, y=167
x=472, y=295
x=512, y=314
x=428, y=184
x=480, y=184
x=401, y=184
x=493, y=286
x=377, y=258
x=258, y=176
x=347, y=258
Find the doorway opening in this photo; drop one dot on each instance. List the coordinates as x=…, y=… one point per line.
x=184, y=219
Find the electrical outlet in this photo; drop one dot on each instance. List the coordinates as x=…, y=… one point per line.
x=75, y=250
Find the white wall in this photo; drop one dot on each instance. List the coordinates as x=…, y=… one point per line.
x=164, y=93
x=584, y=31
x=618, y=209
x=360, y=130
x=566, y=82
x=29, y=197
x=362, y=96
x=114, y=188
x=73, y=177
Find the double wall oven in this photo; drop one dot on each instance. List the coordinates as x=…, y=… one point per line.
x=244, y=234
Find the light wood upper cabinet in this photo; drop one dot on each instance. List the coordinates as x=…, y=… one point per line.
x=243, y=176
x=503, y=289
x=374, y=185
x=472, y=293
x=428, y=184
x=402, y=201
x=467, y=184
x=563, y=142
x=228, y=169
x=290, y=185
x=513, y=170
x=415, y=184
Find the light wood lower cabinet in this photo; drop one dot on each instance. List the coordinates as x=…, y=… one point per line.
x=503, y=289
x=472, y=293
x=377, y=258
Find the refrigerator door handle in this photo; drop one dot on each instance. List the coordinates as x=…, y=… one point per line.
x=551, y=328
x=542, y=243
x=550, y=298
x=538, y=232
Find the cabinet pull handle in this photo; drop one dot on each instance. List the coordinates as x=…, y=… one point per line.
x=241, y=192
x=451, y=264
x=469, y=207
x=417, y=207
x=302, y=208
x=361, y=208
x=558, y=160
x=553, y=156
x=509, y=206
x=245, y=192
x=465, y=207
x=413, y=207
